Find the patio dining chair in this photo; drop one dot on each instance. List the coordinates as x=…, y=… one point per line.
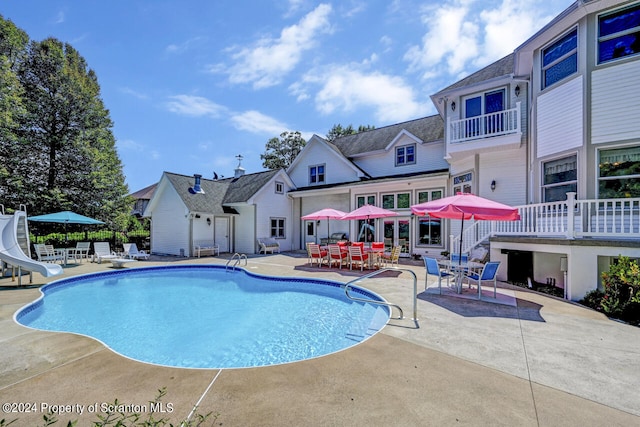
x=489, y=272
x=337, y=255
x=433, y=269
x=81, y=251
x=392, y=257
x=357, y=255
x=316, y=254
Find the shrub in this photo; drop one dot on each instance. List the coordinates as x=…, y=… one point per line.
x=621, y=297
x=593, y=299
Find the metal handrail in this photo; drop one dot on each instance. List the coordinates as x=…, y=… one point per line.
x=239, y=257
x=375, y=273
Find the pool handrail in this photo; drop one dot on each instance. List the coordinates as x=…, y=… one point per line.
x=388, y=304
x=239, y=258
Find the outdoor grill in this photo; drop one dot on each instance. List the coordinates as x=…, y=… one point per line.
x=334, y=238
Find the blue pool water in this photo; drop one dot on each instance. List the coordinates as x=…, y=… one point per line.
x=206, y=317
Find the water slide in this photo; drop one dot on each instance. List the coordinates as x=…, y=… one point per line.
x=14, y=246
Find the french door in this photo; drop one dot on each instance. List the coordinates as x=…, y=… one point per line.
x=397, y=231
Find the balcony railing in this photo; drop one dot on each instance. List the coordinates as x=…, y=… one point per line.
x=570, y=219
x=484, y=126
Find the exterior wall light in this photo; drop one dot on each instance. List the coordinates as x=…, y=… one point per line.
x=493, y=185
x=453, y=105
x=517, y=90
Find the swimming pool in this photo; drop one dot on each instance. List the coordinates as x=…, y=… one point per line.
x=206, y=316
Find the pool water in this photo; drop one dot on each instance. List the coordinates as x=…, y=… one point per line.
x=206, y=317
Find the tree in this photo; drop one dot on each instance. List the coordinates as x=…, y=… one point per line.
x=280, y=152
x=59, y=139
x=338, y=131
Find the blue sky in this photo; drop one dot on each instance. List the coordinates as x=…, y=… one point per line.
x=192, y=84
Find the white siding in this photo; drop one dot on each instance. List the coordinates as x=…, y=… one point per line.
x=429, y=157
x=170, y=225
x=615, y=94
x=317, y=154
x=509, y=169
x=313, y=204
x=244, y=231
x=560, y=118
x=270, y=204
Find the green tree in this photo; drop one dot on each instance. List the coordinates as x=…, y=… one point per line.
x=60, y=147
x=337, y=131
x=280, y=152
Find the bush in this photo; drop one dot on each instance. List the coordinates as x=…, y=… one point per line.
x=621, y=298
x=593, y=299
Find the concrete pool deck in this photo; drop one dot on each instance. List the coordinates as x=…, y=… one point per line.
x=532, y=360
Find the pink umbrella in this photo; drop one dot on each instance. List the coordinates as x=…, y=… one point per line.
x=368, y=212
x=466, y=206
x=326, y=213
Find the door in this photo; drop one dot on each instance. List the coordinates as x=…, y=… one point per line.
x=397, y=231
x=221, y=233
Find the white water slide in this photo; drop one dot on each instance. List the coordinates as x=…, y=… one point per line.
x=14, y=246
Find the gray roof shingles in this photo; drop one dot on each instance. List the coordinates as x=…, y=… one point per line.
x=218, y=193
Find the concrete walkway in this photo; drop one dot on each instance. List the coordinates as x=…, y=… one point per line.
x=530, y=360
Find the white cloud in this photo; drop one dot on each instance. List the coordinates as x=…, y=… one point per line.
x=462, y=35
x=269, y=60
x=196, y=106
x=256, y=122
x=59, y=18
x=347, y=88
x=184, y=46
x=129, y=91
x=130, y=145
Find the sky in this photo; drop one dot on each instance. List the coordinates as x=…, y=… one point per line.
x=190, y=85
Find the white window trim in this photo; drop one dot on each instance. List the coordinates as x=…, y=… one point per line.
x=406, y=163
x=551, y=159
x=284, y=227
x=565, y=56
x=324, y=174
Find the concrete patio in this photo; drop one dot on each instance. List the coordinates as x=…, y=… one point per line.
x=530, y=360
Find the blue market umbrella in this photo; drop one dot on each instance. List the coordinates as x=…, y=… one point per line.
x=65, y=217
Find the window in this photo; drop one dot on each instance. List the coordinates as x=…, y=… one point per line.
x=560, y=60
x=429, y=229
x=365, y=200
x=560, y=177
x=396, y=201
x=425, y=196
x=619, y=173
x=485, y=104
x=316, y=174
x=619, y=34
x=462, y=183
x=277, y=228
x=279, y=187
x=406, y=155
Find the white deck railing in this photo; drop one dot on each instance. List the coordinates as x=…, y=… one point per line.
x=570, y=219
x=486, y=125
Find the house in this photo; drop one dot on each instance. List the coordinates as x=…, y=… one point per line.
x=392, y=167
x=142, y=198
x=553, y=128
x=232, y=212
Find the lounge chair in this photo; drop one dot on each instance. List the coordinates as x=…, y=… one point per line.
x=131, y=251
x=433, y=269
x=102, y=250
x=489, y=272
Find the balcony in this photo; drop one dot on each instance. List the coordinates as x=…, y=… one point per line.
x=502, y=129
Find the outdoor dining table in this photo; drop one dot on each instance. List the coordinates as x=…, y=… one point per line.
x=459, y=268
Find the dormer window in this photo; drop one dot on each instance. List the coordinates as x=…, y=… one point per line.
x=406, y=155
x=560, y=60
x=316, y=174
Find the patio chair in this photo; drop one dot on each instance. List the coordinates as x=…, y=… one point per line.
x=317, y=254
x=377, y=249
x=433, y=269
x=131, y=251
x=489, y=272
x=102, y=250
x=357, y=255
x=337, y=255
x=47, y=253
x=392, y=257
x=80, y=251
